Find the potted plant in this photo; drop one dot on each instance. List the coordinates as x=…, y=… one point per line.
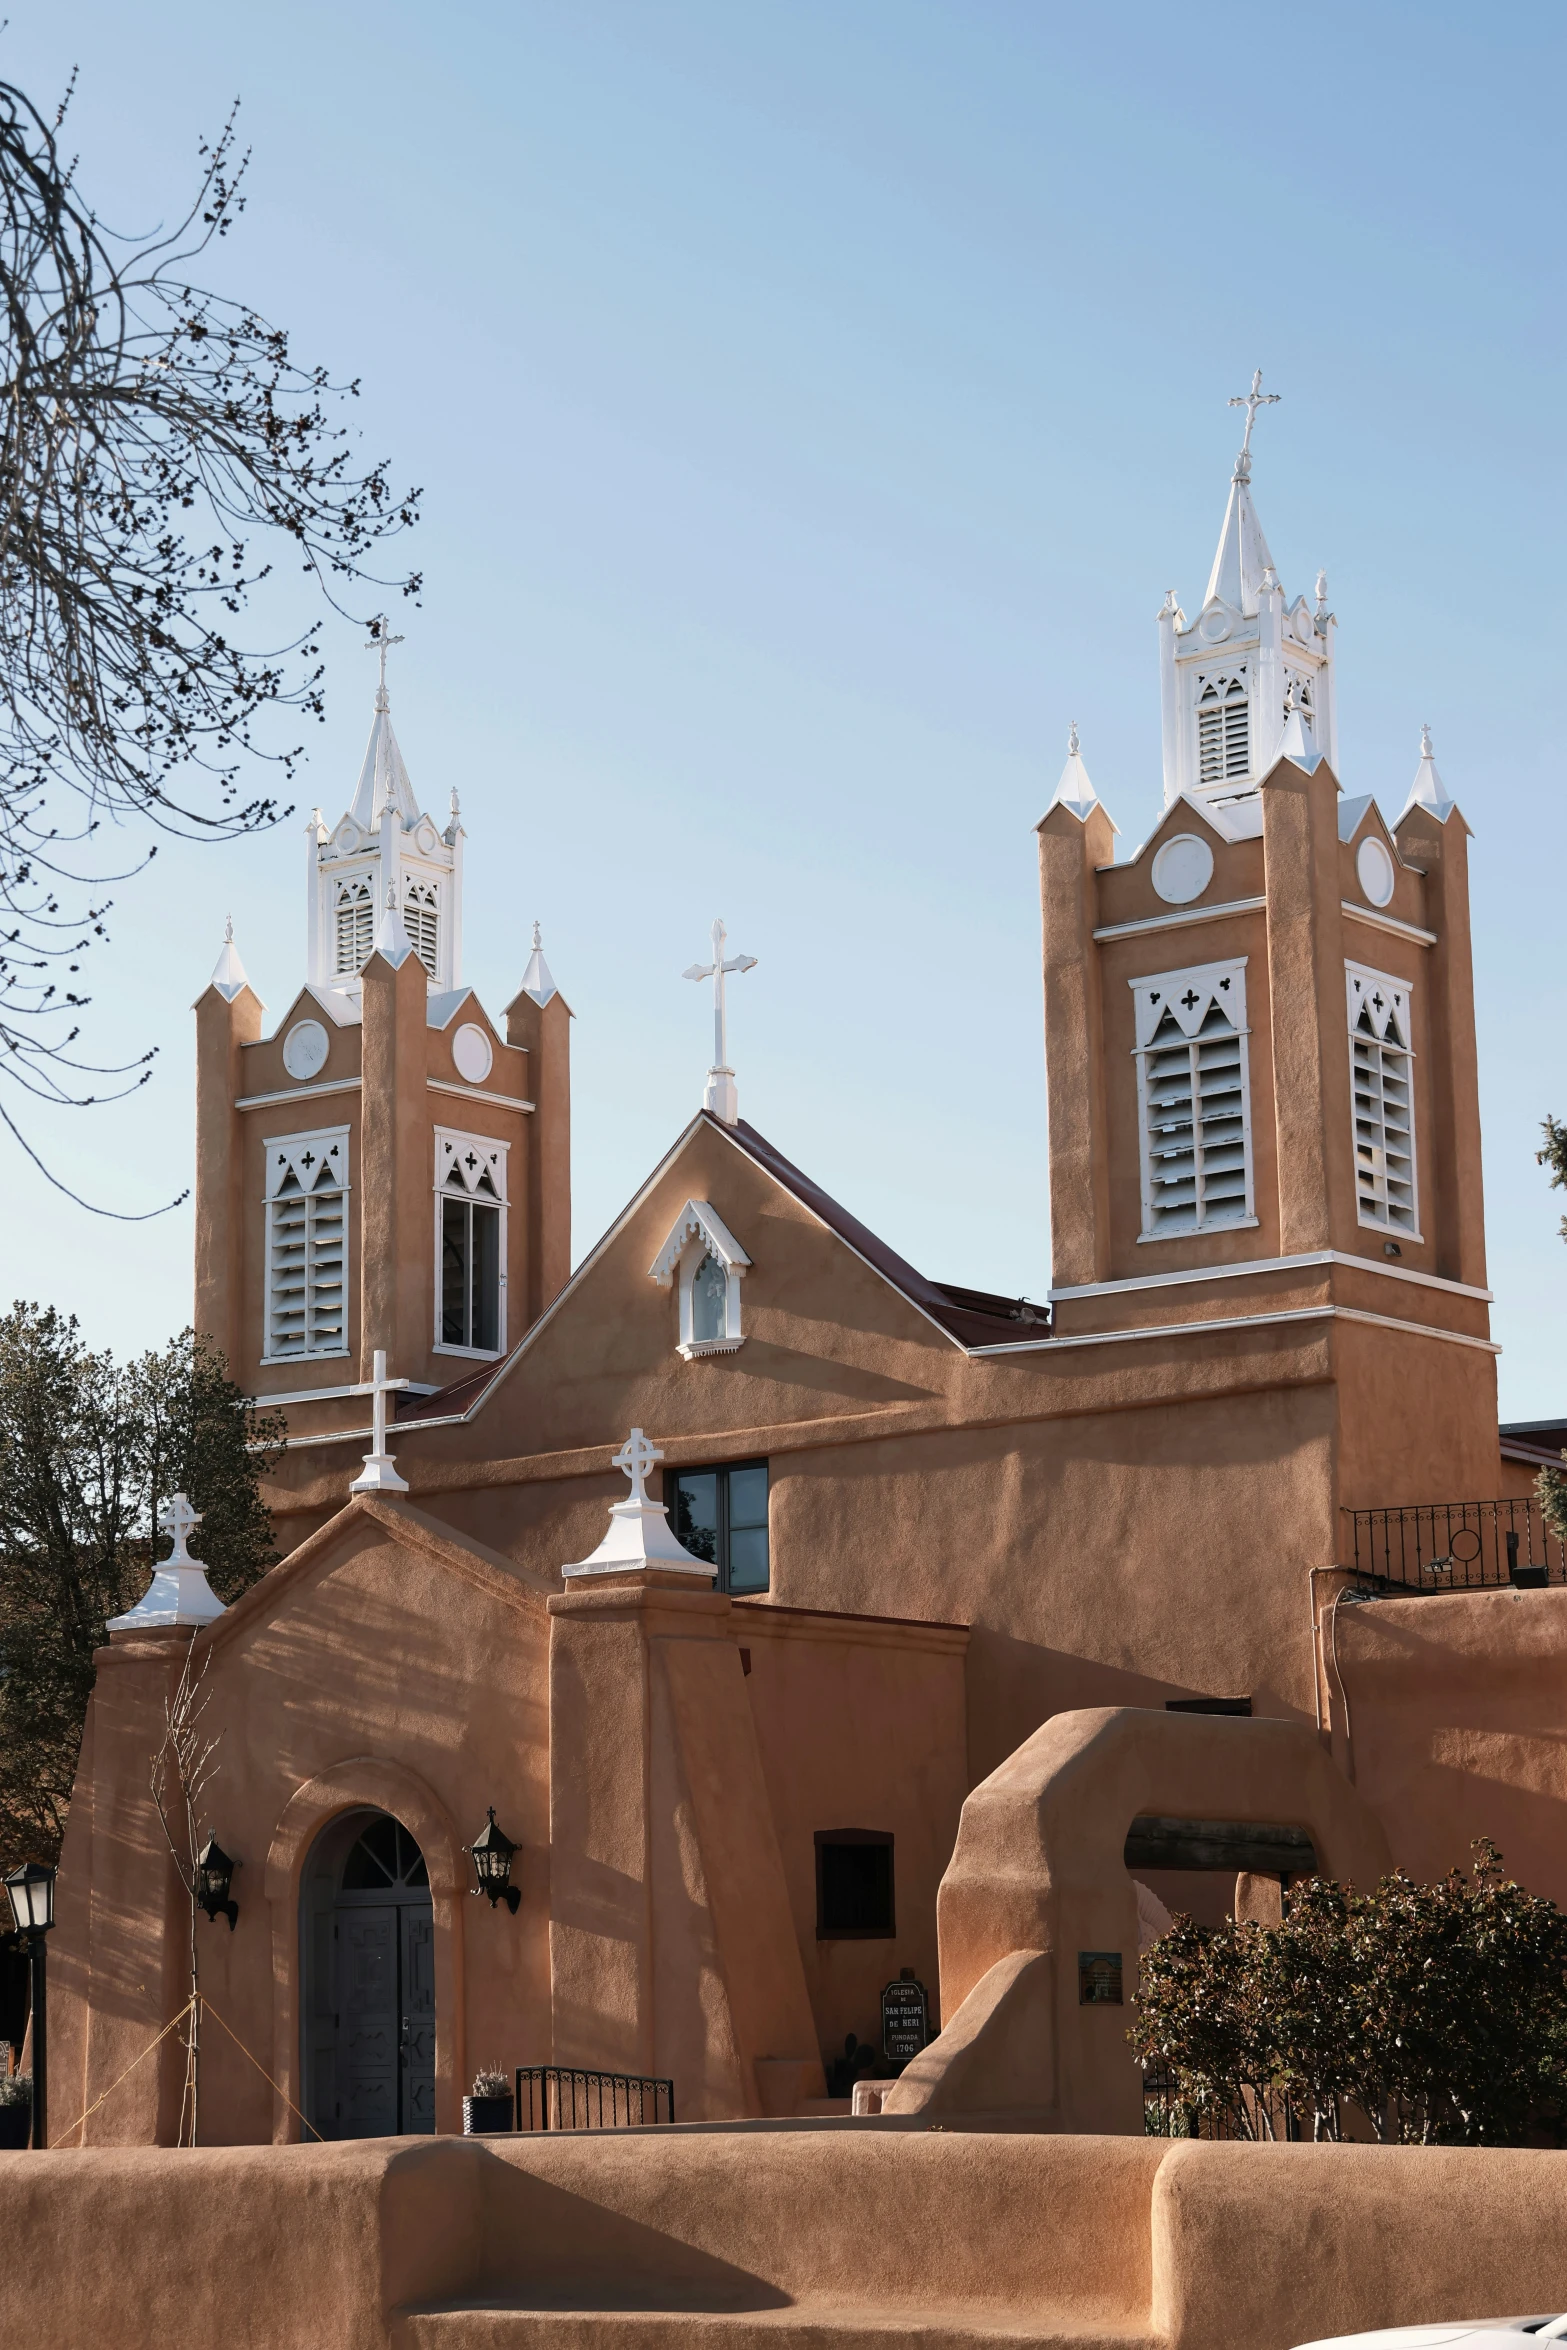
x=489, y=2108
x=16, y=2109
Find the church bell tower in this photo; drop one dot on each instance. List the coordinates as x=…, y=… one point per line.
x=388, y=1172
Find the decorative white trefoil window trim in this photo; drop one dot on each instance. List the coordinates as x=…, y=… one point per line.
x=697, y=1234
x=1381, y=1070
x=306, y=1193
x=1223, y=1196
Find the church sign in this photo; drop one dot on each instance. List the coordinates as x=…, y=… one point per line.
x=905, y=2018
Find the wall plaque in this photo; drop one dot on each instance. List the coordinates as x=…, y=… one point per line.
x=1099, y=1978
x=905, y=2018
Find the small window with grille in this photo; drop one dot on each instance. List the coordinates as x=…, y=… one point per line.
x=355, y=925
x=307, y=1245
x=1194, y=1100
x=1381, y=1057
x=421, y=920
x=470, y=1183
x=1223, y=731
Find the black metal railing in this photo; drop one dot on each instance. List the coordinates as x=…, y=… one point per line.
x=566, y=2097
x=1455, y=1546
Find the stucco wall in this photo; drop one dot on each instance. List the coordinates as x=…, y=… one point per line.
x=854, y=2231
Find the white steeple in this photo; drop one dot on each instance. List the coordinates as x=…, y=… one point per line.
x=1225, y=676
x=536, y=980
x=1428, y=790
x=228, y=974
x=384, y=851
x=1074, y=790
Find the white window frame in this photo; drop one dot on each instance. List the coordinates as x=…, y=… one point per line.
x=699, y=1232
x=1392, y=1019
x=283, y=1153
x=346, y=889
x=451, y=1149
x=1189, y=995
x=1222, y=681
x=416, y=914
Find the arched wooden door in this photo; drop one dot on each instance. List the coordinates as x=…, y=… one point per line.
x=366, y=1937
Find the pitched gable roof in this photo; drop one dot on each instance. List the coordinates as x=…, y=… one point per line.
x=969, y=1317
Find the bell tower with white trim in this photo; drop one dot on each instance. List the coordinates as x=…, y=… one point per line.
x=384, y=852
x=1230, y=678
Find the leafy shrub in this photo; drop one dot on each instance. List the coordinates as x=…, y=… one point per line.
x=1438, y=2013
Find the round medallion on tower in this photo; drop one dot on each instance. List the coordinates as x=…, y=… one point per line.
x=1374, y=870
x=1183, y=869
x=471, y=1053
x=305, y=1049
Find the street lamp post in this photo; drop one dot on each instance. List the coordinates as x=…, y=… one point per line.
x=31, y=1888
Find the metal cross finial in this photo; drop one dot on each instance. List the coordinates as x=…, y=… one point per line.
x=179, y=1520
x=1426, y=751
x=1071, y=741
x=228, y=930
x=1251, y=401
x=634, y=1459
x=381, y=640
x=720, y=1096
x=538, y=939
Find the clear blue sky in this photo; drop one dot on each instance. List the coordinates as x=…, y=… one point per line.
x=814, y=402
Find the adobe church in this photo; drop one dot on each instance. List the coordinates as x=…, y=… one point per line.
x=724, y=1570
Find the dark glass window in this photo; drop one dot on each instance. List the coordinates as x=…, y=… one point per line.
x=470, y=1274
x=854, y=1885
x=385, y=1855
x=721, y=1515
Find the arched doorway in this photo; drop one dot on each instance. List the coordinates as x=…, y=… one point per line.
x=368, y=2010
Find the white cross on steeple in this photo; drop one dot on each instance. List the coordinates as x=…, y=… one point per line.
x=379, y=1474
x=178, y=1519
x=720, y=1096
x=634, y=1459
x=381, y=640
x=1251, y=401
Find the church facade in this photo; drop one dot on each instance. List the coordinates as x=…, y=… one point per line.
x=881, y=1528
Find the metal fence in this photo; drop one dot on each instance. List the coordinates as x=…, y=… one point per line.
x=564, y=2097
x=1456, y=1546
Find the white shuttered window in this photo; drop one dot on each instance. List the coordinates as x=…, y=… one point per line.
x=1223, y=731
x=307, y=1245
x=1381, y=1072
x=1194, y=1100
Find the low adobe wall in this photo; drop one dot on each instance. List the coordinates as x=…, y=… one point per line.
x=747, y=2230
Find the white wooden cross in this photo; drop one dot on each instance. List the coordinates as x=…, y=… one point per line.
x=1251, y=401
x=720, y=1096
x=379, y=1473
x=634, y=1459
x=179, y=1520
x=381, y=640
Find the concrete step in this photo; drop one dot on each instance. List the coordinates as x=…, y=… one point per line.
x=799, y=2326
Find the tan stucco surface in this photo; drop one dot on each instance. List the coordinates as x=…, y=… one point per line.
x=843, y=2234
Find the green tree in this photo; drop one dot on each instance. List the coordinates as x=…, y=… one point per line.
x=90, y=1452
x=1438, y=2012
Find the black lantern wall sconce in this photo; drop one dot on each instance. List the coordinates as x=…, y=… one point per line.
x=214, y=1875
x=491, y=1853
